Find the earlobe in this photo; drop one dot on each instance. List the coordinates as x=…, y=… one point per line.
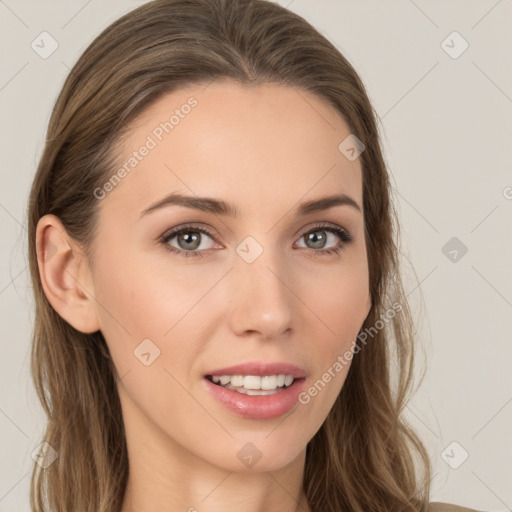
x=65, y=275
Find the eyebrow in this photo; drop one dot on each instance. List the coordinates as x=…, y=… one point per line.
x=219, y=207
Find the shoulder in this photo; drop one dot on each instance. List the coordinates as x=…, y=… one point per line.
x=448, y=507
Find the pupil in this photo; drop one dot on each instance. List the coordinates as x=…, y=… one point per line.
x=184, y=237
x=313, y=236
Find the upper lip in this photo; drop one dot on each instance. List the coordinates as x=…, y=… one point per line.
x=260, y=369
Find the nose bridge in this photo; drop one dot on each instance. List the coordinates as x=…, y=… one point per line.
x=263, y=298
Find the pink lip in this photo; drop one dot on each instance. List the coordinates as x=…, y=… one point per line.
x=261, y=369
x=257, y=407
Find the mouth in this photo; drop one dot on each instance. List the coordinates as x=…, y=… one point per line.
x=257, y=390
x=254, y=385
x=246, y=396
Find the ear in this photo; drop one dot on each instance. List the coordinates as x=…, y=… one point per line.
x=65, y=275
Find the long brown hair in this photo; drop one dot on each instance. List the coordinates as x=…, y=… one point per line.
x=365, y=456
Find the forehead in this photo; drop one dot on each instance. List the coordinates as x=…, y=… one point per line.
x=253, y=146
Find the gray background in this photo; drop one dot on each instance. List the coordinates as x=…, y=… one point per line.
x=446, y=128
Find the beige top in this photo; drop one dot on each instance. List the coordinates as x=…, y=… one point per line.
x=448, y=507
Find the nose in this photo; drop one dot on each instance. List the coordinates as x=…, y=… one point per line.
x=263, y=298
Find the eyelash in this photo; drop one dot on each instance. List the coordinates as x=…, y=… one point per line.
x=345, y=236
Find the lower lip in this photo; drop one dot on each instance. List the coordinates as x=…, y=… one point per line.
x=257, y=407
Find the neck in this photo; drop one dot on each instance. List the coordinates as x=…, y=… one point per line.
x=152, y=487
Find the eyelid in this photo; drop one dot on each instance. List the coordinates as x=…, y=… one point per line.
x=212, y=233
x=191, y=226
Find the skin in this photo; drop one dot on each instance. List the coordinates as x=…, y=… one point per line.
x=265, y=149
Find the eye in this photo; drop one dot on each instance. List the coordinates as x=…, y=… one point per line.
x=317, y=236
x=189, y=239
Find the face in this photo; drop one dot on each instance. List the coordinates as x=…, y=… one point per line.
x=181, y=292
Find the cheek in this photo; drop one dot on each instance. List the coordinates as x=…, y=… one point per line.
x=141, y=302
x=340, y=304
x=142, y=298
x=145, y=324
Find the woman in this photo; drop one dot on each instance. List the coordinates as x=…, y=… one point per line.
x=252, y=369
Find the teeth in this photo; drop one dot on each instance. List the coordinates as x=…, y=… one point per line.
x=268, y=382
x=254, y=383
x=237, y=380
